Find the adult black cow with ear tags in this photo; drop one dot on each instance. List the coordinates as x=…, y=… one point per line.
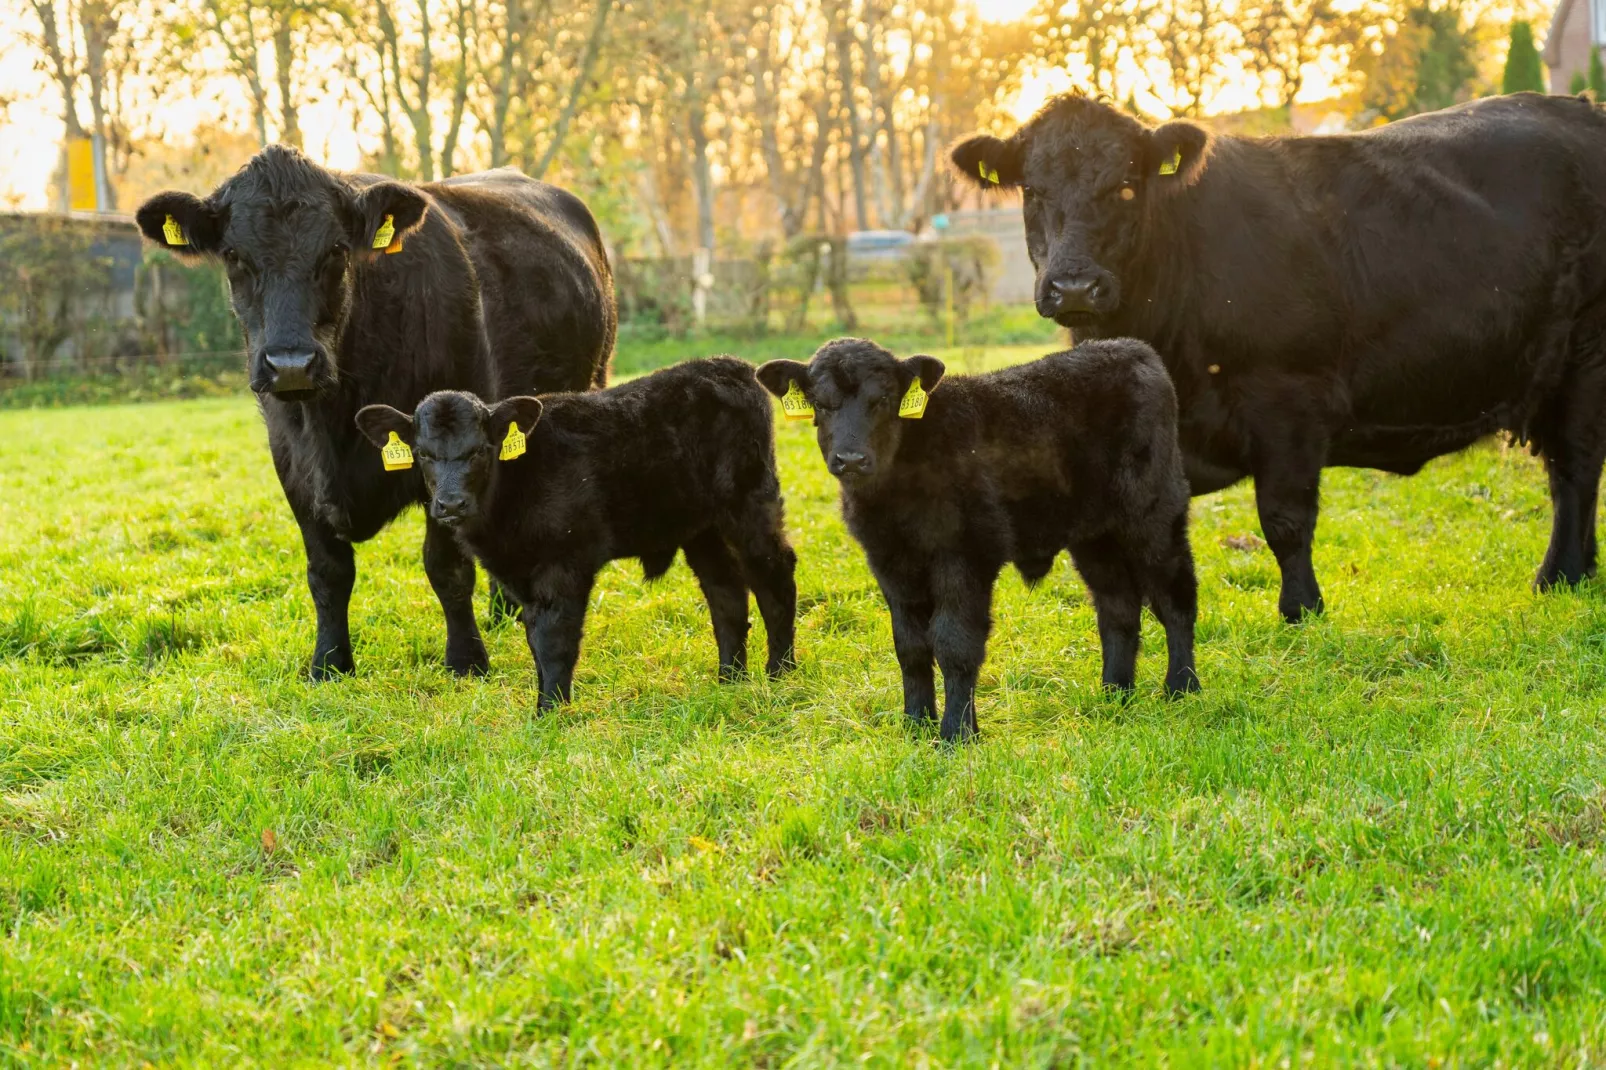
x=353, y=289
x=1370, y=300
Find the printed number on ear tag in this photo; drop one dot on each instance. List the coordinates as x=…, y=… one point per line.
x=513, y=444
x=913, y=405
x=794, y=405
x=1171, y=166
x=386, y=234
x=397, y=454
x=173, y=232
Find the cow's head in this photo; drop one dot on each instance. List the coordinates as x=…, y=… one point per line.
x=290, y=234
x=1089, y=177
x=456, y=441
x=855, y=387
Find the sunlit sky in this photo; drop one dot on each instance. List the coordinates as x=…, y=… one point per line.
x=31, y=128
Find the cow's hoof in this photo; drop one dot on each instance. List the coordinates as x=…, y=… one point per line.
x=1295, y=611
x=331, y=665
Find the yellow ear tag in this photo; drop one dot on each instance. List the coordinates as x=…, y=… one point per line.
x=397, y=454
x=386, y=233
x=988, y=174
x=913, y=405
x=794, y=405
x=1171, y=166
x=173, y=232
x=513, y=444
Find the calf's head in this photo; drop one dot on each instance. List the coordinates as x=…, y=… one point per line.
x=855, y=388
x=1090, y=178
x=290, y=234
x=456, y=440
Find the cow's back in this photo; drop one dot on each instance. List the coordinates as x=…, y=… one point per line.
x=545, y=282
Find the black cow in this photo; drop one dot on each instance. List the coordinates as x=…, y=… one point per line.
x=681, y=459
x=1075, y=451
x=353, y=289
x=1372, y=300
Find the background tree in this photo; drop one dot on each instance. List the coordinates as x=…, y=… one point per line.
x=1524, y=71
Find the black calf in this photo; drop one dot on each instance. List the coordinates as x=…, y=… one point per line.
x=1075, y=451
x=682, y=459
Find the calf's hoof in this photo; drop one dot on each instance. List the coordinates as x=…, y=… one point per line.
x=1296, y=610
x=775, y=668
x=470, y=662
x=1183, y=683
x=331, y=665
x=1550, y=578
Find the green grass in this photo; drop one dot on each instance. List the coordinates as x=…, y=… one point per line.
x=1374, y=839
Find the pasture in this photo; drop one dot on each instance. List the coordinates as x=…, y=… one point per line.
x=1375, y=838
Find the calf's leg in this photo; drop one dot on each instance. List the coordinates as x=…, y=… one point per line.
x=721, y=580
x=1173, y=594
x=911, y=640
x=451, y=574
x=769, y=565
x=554, y=621
x=960, y=623
x=1118, y=605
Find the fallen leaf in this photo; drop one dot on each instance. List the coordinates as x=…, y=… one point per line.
x=705, y=846
x=389, y=1030
x=270, y=840
x=1243, y=542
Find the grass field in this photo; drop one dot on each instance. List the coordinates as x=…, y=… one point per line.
x=1375, y=838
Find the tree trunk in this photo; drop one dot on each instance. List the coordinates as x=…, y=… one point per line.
x=582, y=75
x=702, y=177
x=850, y=107
x=283, y=58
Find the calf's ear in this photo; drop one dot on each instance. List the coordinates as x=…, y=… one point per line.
x=384, y=213
x=376, y=422
x=181, y=222
x=987, y=161
x=524, y=411
x=927, y=369
x=1176, y=155
x=777, y=376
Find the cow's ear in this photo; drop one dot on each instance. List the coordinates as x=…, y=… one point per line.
x=987, y=161
x=927, y=369
x=777, y=376
x=1176, y=155
x=524, y=411
x=376, y=422
x=385, y=212
x=182, y=222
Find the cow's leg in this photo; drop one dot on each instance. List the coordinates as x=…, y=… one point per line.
x=1173, y=594
x=331, y=574
x=960, y=623
x=1118, y=604
x=554, y=621
x=720, y=577
x=1288, y=462
x=451, y=574
x=1574, y=451
x=769, y=565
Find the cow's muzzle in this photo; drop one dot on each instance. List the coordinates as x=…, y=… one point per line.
x=291, y=374
x=1078, y=296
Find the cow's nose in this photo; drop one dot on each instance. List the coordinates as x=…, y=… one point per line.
x=291, y=368
x=450, y=509
x=1080, y=293
x=849, y=462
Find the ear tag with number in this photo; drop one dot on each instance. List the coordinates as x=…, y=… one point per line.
x=1171, y=166
x=794, y=405
x=988, y=174
x=513, y=444
x=386, y=234
x=173, y=232
x=913, y=405
x=397, y=454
